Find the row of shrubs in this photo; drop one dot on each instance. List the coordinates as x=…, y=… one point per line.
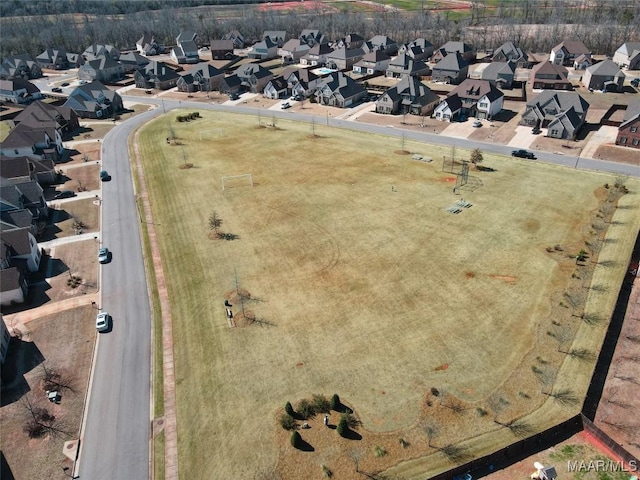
x=307, y=409
x=188, y=117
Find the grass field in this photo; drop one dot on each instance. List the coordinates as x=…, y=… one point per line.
x=362, y=282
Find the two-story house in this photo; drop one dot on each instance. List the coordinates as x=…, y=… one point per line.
x=222, y=49
x=312, y=37
x=372, y=62
x=204, y=78
x=561, y=113
x=264, y=50
x=293, y=50
x=253, y=77
x=381, y=42
x=317, y=55
x=18, y=90
x=186, y=49
x=343, y=59
x=499, y=74
x=629, y=129
x=409, y=95
x=147, y=45
x=101, y=50
x=628, y=56
x=102, y=69
x=451, y=69
x=478, y=98
x=403, y=66
x=339, y=90
x=38, y=114
x=236, y=37
x=279, y=37
x=548, y=75
x=605, y=76
x=24, y=169
x=466, y=51
x=567, y=51
x=156, y=75
x=19, y=255
x=303, y=82
x=510, y=52
x=59, y=59
x=94, y=100
x=132, y=61
x=20, y=66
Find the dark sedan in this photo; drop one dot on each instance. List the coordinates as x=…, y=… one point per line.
x=523, y=154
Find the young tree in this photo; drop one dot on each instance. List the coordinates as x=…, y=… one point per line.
x=476, y=156
x=215, y=222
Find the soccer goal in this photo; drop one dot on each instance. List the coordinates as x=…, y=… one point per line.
x=232, y=181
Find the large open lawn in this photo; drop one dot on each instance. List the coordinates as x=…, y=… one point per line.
x=363, y=284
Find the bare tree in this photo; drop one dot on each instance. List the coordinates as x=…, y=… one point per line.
x=39, y=421
x=215, y=222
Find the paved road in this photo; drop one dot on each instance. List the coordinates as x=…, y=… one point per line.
x=115, y=439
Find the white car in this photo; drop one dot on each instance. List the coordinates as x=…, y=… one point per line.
x=103, y=321
x=285, y=105
x=104, y=255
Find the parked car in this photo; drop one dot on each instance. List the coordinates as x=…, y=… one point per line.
x=64, y=84
x=64, y=194
x=523, y=154
x=104, y=255
x=104, y=176
x=285, y=105
x=234, y=96
x=103, y=322
x=56, y=89
x=148, y=92
x=635, y=82
x=477, y=123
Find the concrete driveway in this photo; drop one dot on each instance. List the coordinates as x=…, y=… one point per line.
x=604, y=134
x=461, y=129
x=523, y=137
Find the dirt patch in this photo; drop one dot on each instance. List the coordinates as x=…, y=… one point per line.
x=72, y=218
x=615, y=153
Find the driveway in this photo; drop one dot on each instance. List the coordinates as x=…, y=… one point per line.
x=461, y=129
x=605, y=134
x=523, y=137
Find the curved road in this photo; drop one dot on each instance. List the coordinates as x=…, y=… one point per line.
x=116, y=432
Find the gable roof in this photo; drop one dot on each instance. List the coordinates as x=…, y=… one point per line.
x=205, y=70
x=221, y=45
x=605, y=68
x=455, y=46
x=40, y=113
x=632, y=113
x=476, y=89
x=494, y=69
x=18, y=84
x=453, y=61
x=278, y=83
x=91, y=97
x=22, y=218
x=320, y=49
x=343, y=53
x=16, y=241
x=510, y=51
x=415, y=88
x=548, y=68
x=338, y=82
x=573, y=47
x=453, y=102
x=562, y=100
x=186, y=36
x=133, y=58
x=159, y=70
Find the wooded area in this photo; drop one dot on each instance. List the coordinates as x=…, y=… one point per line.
x=535, y=25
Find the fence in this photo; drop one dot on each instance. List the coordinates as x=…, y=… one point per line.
x=609, y=443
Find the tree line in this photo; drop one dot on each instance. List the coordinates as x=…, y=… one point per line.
x=535, y=25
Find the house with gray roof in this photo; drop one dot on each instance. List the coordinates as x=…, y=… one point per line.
x=59, y=59
x=101, y=50
x=253, y=77
x=317, y=55
x=236, y=37
x=279, y=37
x=94, y=100
x=132, y=61
x=276, y=88
x=343, y=59
x=510, y=52
x=38, y=114
x=582, y=62
x=23, y=169
x=629, y=129
x=567, y=51
x=605, y=76
x=381, y=42
x=19, y=90
x=339, y=90
x=312, y=37
x=230, y=84
x=419, y=49
x=404, y=66
x=302, y=81
x=186, y=49
x=293, y=50
x=466, y=51
x=20, y=66
x=203, y=78
x=628, y=56
x=264, y=49
x=35, y=142
x=448, y=109
x=19, y=243
x=157, y=75
x=12, y=219
x=25, y=195
x=102, y=69
x=349, y=41
x=499, y=74
x=562, y=113
x=451, y=69
x=376, y=61
x=479, y=98
x=147, y=46
x=409, y=95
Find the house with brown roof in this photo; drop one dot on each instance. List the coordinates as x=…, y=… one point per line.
x=478, y=98
x=409, y=95
x=35, y=142
x=13, y=283
x=222, y=49
x=629, y=129
x=317, y=55
x=343, y=59
x=567, y=51
x=17, y=170
x=293, y=50
x=376, y=61
x=548, y=75
x=19, y=90
x=39, y=114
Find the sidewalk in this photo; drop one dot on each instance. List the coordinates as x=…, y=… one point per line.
x=22, y=318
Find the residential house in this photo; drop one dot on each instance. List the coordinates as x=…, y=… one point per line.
x=499, y=74
x=303, y=81
x=231, y=84
x=278, y=37
x=98, y=50
x=343, y=59
x=409, y=95
x=381, y=42
x=186, y=49
x=566, y=52
x=293, y=50
x=628, y=56
x=103, y=69
x=562, y=113
x=448, y=109
x=509, y=52
x=466, y=51
x=339, y=90
x=23, y=169
x=94, y=100
x=20, y=66
x=39, y=114
x=156, y=75
x=12, y=219
x=372, y=62
x=222, y=49
x=350, y=41
x=629, y=129
x=419, y=49
x=317, y=55
x=18, y=90
x=59, y=59
x=132, y=61
x=312, y=37
x=236, y=37
x=147, y=46
x=204, y=78
x=404, y=66
x=582, y=62
x=19, y=255
x=478, y=98
x=35, y=142
x=27, y=195
x=548, y=75
x=264, y=50
x=605, y=76
x=254, y=77
x=451, y=69
x=276, y=88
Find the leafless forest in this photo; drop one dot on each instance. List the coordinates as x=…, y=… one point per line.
x=536, y=25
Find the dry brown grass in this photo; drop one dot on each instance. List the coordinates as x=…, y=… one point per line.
x=85, y=211
x=364, y=288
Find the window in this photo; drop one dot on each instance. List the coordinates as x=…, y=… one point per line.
x=554, y=133
x=636, y=142
x=623, y=140
x=483, y=105
x=634, y=129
